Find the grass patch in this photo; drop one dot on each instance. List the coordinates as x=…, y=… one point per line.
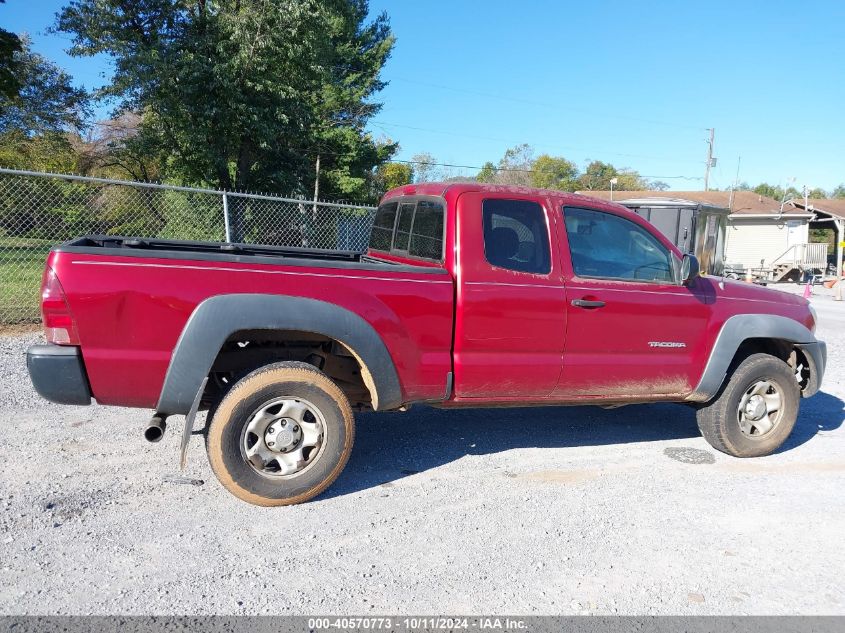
x=21, y=266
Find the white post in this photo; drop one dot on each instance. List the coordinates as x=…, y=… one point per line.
x=316, y=185
x=226, y=217
x=840, y=236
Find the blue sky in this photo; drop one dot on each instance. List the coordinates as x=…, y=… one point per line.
x=632, y=83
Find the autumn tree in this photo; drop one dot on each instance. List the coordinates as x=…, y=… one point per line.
x=392, y=175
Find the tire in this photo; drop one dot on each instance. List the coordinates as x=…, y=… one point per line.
x=241, y=432
x=733, y=431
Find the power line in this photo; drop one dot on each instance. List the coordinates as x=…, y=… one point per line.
x=556, y=106
x=524, y=171
x=379, y=124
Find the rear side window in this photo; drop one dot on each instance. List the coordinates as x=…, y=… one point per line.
x=402, y=237
x=607, y=246
x=381, y=235
x=516, y=236
x=427, y=236
x=412, y=227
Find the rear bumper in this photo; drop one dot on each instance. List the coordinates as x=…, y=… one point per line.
x=58, y=374
x=816, y=355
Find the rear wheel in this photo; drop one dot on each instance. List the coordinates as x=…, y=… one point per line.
x=281, y=435
x=756, y=410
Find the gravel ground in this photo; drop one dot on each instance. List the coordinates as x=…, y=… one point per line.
x=549, y=511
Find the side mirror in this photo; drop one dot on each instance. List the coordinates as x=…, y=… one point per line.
x=689, y=269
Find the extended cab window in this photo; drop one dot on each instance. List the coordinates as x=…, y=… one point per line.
x=409, y=227
x=608, y=246
x=516, y=236
x=427, y=234
x=381, y=235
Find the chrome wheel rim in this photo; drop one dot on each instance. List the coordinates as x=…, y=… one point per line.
x=284, y=437
x=760, y=409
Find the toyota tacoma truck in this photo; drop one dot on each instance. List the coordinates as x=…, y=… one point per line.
x=469, y=295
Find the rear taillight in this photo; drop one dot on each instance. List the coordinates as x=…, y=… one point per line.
x=59, y=326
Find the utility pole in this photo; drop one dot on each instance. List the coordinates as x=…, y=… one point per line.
x=317, y=186
x=734, y=186
x=710, y=160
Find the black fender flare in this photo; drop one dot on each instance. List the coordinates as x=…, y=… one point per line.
x=218, y=317
x=741, y=327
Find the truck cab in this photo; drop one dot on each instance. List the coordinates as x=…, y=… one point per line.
x=563, y=297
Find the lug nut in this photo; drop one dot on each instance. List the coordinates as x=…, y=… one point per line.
x=271, y=443
x=284, y=423
x=295, y=428
x=271, y=430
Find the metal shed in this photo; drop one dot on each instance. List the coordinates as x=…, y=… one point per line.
x=692, y=226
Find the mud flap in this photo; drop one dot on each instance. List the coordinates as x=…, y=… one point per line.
x=189, y=425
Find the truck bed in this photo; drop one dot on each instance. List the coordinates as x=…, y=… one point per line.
x=123, y=246
x=132, y=297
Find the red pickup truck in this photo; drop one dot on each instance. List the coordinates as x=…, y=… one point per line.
x=469, y=295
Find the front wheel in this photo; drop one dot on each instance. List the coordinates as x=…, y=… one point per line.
x=755, y=412
x=281, y=435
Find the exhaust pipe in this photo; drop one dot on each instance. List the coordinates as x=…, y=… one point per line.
x=155, y=429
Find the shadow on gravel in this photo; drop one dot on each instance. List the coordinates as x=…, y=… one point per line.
x=821, y=413
x=389, y=446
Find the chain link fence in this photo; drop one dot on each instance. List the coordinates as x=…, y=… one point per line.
x=39, y=210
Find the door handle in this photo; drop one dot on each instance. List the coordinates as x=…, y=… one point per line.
x=586, y=303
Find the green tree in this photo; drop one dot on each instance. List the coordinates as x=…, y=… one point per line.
x=355, y=52
x=597, y=176
x=245, y=94
x=10, y=46
x=52, y=151
x=825, y=236
x=47, y=102
x=549, y=172
x=838, y=192
x=765, y=189
x=777, y=192
x=39, y=123
x=817, y=194
x=630, y=180
x=487, y=173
